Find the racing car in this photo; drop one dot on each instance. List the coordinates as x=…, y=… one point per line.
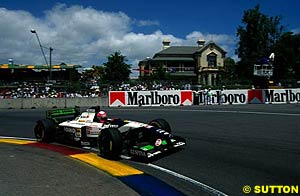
x=113, y=138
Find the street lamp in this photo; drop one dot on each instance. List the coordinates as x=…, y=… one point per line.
x=51, y=49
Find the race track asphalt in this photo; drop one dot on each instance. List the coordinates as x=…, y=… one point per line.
x=228, y=146
x=28, y=171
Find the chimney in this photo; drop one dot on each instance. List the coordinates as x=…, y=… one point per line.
x=201, y=42
x=166, y=43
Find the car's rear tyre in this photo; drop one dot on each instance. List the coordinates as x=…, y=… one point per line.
x=161, y=124
x=110, y=143
x=44, y=131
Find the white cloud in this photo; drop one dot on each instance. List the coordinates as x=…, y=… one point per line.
x=142, y=23
x=296, y=31
x=86, y=36
x=227, y=42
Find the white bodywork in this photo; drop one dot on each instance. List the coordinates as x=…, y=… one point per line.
x=86, y=119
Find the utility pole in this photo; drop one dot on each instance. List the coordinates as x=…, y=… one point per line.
x=50, y=57
x=50, y=63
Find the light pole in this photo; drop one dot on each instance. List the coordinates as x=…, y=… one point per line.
x=51, y=49
x=50, y=63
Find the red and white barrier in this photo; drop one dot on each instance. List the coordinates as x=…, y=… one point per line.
x=150, y=98
x=188, y=97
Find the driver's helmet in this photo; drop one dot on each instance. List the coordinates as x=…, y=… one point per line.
x=102, y=116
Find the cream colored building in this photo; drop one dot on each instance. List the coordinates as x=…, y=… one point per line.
x=202, y=63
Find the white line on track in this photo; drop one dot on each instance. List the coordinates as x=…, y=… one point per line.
x=200, y=184
x=248, y=112
x=221, y=111
x=18, y=138
x=203, y=186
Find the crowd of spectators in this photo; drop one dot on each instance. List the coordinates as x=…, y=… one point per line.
x=142, y=86
x=38, y=90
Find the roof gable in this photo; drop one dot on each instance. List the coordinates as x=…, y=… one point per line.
x=208, y=45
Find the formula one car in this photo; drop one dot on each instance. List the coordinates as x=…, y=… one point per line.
x=113, y=137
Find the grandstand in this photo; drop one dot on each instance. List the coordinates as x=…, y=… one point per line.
x=38, y=73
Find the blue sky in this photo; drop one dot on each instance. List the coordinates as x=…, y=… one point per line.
x=87, y=31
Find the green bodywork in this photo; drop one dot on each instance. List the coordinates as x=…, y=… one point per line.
x=60, y=115
x=150, y=147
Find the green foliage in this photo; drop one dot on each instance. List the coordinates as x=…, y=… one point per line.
x=257, y=36
x=287, y=57
x=116, y=70
x=229, y=73
x=96, y=72
x=159, y=73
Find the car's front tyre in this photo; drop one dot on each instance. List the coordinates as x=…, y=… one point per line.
x=110, y=143
x=161, y=124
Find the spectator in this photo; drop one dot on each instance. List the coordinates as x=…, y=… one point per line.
x=205, y=96
x=221, y=96
x=209, y=97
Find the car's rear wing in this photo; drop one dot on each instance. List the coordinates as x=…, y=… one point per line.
x=63, y=112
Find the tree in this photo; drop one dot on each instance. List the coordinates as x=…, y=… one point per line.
x=98, y=72
x=116, y=70
x=256, y=38
x=159, y=73
x=287, y=57
x=229, y=70
x=94, y=73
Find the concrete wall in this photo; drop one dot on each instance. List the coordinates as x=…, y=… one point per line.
x=52, y=102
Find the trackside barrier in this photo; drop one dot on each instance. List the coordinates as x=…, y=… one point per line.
x=257, y=96
x=30, y=103
x=150, y=98
x=282, y=96
x=221, y=97
x=161, y=98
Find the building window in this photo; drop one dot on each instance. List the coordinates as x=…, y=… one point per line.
x=181, y=67
x=212, y=60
